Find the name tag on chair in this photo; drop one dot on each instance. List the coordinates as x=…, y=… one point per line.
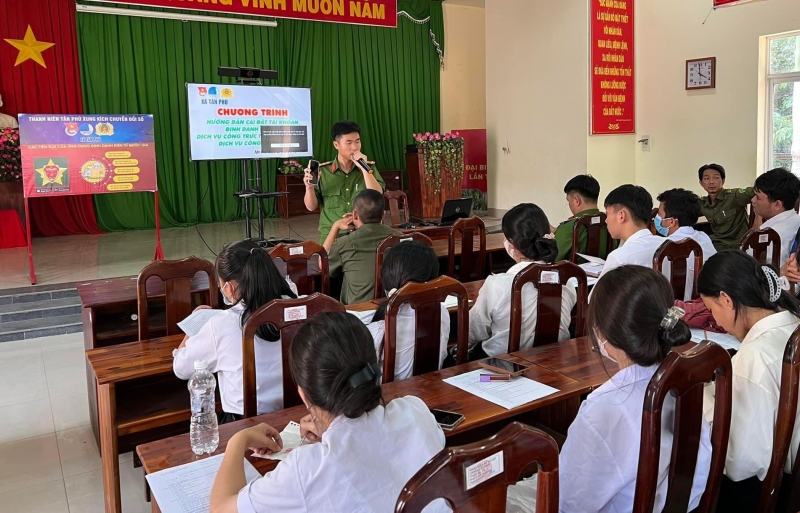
x=407, y=239
x=596, y=220
x=550, y=277
x=484, y=470
x=296, y=251
x=295, y=313
x=763, y=238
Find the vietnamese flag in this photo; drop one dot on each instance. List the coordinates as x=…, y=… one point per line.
x=40, y=74
x=725, y=3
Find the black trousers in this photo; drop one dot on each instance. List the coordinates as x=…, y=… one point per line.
x=225, y=418
x=739, y=496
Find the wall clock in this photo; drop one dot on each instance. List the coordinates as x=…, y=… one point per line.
x=701, y=73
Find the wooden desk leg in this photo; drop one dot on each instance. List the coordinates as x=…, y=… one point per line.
x=154, y=506
x=107, y=409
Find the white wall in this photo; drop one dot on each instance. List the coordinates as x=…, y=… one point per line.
x=463, y=78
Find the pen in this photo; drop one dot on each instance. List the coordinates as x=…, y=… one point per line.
x=303, y=440
x=705, y=335
x=485, y=378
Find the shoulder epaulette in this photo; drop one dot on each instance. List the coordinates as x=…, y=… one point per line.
x=324, y=164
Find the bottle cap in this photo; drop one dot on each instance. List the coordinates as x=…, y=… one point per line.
x=200, y=365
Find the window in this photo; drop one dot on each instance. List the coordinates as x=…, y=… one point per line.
x=783, y=80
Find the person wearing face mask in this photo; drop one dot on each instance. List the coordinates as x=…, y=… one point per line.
x=748, y=300
x=359, y=451
x=248, y=280
x=678, y=211
x=527, y=240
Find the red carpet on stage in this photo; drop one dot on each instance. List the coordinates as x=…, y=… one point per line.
x=11, y=233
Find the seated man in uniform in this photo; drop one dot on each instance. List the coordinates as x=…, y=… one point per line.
x=342, y=179
x=353, y=254
x=582, y=192
x=776, y=193
x=725, y=209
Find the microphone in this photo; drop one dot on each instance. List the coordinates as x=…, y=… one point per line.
x=363, y=164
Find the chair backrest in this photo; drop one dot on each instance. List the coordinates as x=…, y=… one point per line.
x=784, y=427
x=390, y=242
x=548, y=280
x=287, y=315
x=396, y=201
x=596, y=229
x=453, y=474
x=425, y=299
x=678, y=253
x=301, y=266
x=471, y=266
x=683, y=376
x=759, y=242
x=177, y=276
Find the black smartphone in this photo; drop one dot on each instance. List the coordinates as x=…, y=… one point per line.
x=503, y=366
x=448, y=420
x=313, y=165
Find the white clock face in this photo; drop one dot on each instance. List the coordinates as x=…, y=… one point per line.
x=698, y=74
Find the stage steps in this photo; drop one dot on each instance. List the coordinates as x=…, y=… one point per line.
x=33, y=312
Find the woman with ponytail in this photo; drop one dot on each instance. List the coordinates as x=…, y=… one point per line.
x=358, y=452
x=527, y=241
x=248, y=280
x=748, y=300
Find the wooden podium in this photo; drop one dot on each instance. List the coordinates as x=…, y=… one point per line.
x=423, y=201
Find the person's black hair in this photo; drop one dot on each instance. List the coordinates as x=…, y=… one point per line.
x=682, y=205
x=744, y=280
x=525, y=226
x=627, y=307
x=634, y=198
x=248, y=264
x=715, y=167
x=369, y=205
x=584, y=185
x=406, y=262
x=344, y=128
x=779, y=184
x=326, y=352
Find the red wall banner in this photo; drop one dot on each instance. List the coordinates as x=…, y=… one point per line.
x=725, y=3
x=381, y=13
x=475, y=182
x=613, y=104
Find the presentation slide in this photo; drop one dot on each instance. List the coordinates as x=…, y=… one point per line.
x=229, y=122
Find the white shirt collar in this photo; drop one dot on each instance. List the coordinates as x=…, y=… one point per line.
x=776, y=320
x=518, y=267
x=684, y=230
x=644, y=232
x=626, y=377
x=778, y=218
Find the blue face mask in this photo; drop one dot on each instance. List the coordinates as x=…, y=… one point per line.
x=663, y=230
x=225, y=299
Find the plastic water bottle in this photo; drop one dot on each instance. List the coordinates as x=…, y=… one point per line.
x=204, y=433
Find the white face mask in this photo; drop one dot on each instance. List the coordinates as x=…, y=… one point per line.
x=602, y=344
x=225, y=299
x=509, y=249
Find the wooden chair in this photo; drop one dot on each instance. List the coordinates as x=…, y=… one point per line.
x=177, y=276
x=759, y=242
x=445, y=476
x=593, y=225
x=784, y=427
x=390, y=242
x=678, y=254
x=396, y=201
x=472, y=264
x=298, y=258
x=683, y=376
x=287, y=315
x=548, y=281
x=425, y=299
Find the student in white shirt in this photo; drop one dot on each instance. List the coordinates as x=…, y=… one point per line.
x=632, y=322
x=360, y=452
x=407, y=262
x=628, y=210
x=678, y=211
x=527, y=240
x=746, y=299
x=248, y=280
x=776, y=193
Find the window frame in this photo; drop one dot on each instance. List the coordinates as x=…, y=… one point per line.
x=772, y=80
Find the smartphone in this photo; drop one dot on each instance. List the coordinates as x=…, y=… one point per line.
x=448, y=420
x=313, y=165
x=503, y=366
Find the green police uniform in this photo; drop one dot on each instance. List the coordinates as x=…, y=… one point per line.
x=563, y=236
x=336, y=191
x=353, y=255
x=727, y=216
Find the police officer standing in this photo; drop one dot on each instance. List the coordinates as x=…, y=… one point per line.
x=342, y=179
x=725, y=209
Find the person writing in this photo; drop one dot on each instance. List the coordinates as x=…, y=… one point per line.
x=582, y=192
x=745, y=297
x=362, y=452
x=342, y=179
x=248, y=280
x=725, y=209
x=776, y=193
x=353, y=254
x=526, y=231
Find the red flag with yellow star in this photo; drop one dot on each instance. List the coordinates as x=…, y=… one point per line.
x=40, y=74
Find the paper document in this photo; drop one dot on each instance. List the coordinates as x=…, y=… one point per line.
x=593, y=260
x=187, y=488
x=593, y=267
x=291, y=441
x=726, y=340
x=192, y=324
x=365, y=317
x=508, y=394
x=452, y=302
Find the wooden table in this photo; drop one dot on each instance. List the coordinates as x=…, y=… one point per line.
x=494, y=244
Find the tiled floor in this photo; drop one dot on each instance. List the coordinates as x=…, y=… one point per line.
x=49, y=462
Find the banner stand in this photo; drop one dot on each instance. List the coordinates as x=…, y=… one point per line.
x=159, y=250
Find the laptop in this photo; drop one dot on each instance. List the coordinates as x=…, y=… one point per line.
x=455, y=209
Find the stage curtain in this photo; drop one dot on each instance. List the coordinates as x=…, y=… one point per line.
x=385, y=79
x=55, y=89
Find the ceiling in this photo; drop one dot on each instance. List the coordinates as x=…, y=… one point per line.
x=470, y=3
